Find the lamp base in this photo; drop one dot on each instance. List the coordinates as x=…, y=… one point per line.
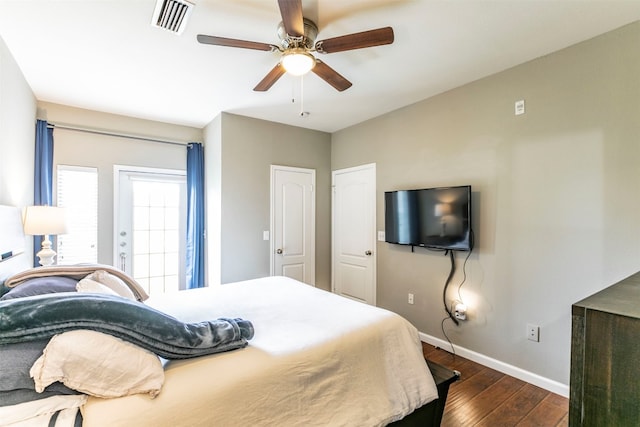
x=46, y=254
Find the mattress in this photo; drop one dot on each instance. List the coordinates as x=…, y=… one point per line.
x=316, y=359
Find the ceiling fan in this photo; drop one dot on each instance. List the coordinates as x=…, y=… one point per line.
x=297, y=42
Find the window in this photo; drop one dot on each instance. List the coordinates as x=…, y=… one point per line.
x=77, y=192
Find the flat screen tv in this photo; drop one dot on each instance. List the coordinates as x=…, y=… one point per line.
x=437, y=218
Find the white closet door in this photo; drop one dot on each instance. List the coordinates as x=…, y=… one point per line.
x=293, y=223
x=353, y=233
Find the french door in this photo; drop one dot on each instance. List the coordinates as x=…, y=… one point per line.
x=150, y=224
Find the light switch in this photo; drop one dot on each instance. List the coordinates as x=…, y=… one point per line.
x=265, y=235
x=381, y=236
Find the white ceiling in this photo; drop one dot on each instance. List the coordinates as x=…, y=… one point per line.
x=104, y=55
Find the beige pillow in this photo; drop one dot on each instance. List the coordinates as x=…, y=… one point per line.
x=98, y=364
x=88, y=285
x=77, y=272
x=115, y=283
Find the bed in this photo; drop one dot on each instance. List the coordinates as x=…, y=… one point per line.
x=294, y=355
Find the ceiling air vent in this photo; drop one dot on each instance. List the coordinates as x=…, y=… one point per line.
x=172, y=15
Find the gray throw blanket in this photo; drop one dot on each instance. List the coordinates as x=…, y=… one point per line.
x=43, y=316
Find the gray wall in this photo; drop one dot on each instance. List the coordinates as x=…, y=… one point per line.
x=18, y=111
x=555, y=190
x=248, y=147
x=103, y=152
x=556, y=207
x=17, y=147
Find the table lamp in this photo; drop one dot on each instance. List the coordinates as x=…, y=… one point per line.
x=45, y=221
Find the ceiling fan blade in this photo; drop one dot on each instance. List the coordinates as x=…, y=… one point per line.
x=361, y=40
x=331, y=76
x=271, y=77
x=223, y=41
x=291, y=11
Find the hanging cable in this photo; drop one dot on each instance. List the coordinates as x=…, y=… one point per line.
x=464, y=267
x=444, y=292
x=446, y=285
x=453, y=350
x=444, y=301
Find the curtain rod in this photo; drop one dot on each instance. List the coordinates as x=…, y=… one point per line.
x=118, y=135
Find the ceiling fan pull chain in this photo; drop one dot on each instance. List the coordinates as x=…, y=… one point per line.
x=302, y=96
x=293, y=91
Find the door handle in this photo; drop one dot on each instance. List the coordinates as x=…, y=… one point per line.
x=123, y=257
x=368, y=253
x=279, y=251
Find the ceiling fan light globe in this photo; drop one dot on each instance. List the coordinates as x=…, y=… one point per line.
x=298, y=63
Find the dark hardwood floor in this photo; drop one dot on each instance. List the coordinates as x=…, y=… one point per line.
x=486, y=397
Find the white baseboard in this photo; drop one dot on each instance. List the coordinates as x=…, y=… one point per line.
x=505, y=368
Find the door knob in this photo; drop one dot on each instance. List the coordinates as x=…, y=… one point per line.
x=279, y=251
x=368, y=253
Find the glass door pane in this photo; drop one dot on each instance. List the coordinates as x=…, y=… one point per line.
x=152, y=228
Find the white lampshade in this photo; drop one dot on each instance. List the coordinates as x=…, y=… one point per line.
x=298, y=62
x=44, y=220
x=442, y=209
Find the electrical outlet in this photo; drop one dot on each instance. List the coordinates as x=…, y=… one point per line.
x=533, y=332
x=460, y=311
x=410, y=298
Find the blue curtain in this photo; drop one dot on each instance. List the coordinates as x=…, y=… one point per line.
x=43, y=177
x=195, y=216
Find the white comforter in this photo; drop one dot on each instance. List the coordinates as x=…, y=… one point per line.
x=316, y=359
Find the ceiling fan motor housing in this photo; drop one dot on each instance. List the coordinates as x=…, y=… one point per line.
x=305, y=42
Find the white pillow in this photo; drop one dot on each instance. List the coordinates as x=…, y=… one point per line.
x=88, y=285
x=98, y=364
x=115, y=283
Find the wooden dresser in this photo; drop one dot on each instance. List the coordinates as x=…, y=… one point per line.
x=605, y=357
